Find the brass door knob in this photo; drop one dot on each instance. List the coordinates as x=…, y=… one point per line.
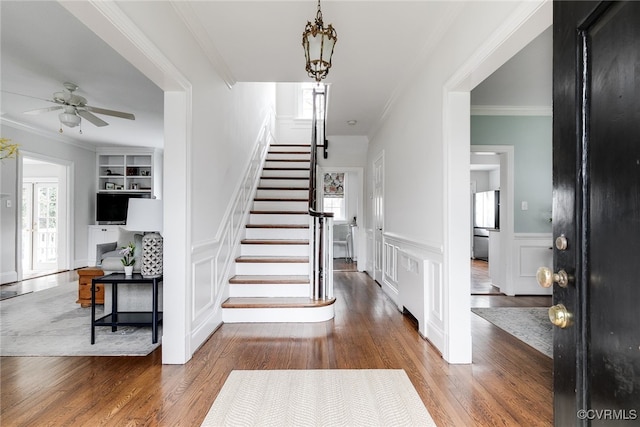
x=546, y=277
x=560, y=316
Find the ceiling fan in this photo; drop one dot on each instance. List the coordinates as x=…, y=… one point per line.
x=75, y=107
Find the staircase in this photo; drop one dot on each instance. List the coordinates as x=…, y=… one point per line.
x=272, y=272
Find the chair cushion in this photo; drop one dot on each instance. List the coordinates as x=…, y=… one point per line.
x=112, y=261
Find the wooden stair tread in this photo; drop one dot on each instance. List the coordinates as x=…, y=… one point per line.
x=279, y=212
x=287, y=226
x=268, y=280
x=273, y=259
x=274, y=242
x=285, y=177
x=283, y=169
x=284, y=188
x=287, y=152
x=291, y=145
x=286, y=160
x=280, y=199
x=275, y=302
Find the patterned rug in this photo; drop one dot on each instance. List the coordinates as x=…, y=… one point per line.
x=323, y=397
x=50, y=323
x=529, y=324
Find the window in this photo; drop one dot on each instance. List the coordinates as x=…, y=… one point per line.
x=334, y=201
x=305, y=101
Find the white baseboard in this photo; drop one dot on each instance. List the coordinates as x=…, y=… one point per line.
x=8, y=277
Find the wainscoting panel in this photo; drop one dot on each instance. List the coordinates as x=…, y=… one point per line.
x=369, y=242
x=414, y=270
x=531, y=251
x=213, y=261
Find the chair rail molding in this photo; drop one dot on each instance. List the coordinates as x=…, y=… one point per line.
x=413, y=278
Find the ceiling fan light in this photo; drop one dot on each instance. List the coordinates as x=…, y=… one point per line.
x=69, y=119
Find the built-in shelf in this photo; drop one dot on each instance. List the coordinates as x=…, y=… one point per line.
x=132, y=173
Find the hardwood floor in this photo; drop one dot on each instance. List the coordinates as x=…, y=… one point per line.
x=509, y=383
x=480, y=280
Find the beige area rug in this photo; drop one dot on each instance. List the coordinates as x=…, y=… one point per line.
x=529, y=324
x=342, y=397
x=51, y=323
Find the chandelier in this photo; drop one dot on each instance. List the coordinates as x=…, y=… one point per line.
x=318, y=43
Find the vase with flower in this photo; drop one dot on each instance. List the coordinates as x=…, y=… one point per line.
x=128, y=260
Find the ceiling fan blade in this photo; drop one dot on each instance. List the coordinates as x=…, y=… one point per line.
x=43, y=110
x=110, y=112
x=93, y=119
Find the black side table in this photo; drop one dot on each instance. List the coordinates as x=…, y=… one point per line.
x=126, y=318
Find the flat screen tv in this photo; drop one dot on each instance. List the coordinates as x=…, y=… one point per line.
x=111, y=208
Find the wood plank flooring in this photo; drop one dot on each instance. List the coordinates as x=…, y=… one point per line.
x=508, y=384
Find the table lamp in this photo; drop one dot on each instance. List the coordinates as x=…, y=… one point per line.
x=146, y=215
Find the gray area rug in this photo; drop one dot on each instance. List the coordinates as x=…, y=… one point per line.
x=50, y=323
x=322, y=397
x=528, y=324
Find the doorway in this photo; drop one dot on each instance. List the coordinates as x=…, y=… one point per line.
x=43, y=218
x=485, y=226
x=378, y=216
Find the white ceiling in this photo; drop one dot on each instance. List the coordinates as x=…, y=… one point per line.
x=380, y=44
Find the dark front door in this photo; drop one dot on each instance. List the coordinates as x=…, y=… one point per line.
x=596, y=171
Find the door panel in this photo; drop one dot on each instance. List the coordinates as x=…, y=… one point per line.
x=45, y=220
x=378, y=217
x=597, y=207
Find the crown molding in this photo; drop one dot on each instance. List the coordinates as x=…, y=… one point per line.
x=439, y=32
x=511, y=110
x=56, y=136
x=198, y=31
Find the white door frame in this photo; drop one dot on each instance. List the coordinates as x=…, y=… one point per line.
x=378, y=232
x=528, y=21
x=507, y=179
x=360, y=244
x=66, y=233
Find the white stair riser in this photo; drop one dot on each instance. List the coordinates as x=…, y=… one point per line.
x=277, y=233
x=286, y=173
x=303, y=193
x=289, y=156
x=279, y=219
x=300, y=183
x=280, y=206
x=279, y=315
x=274, y=250
x=265, y=290
x=289, y=148
x=272, y=268
x=282, y=164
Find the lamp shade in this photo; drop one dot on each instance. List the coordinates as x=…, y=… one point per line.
x=144, y=215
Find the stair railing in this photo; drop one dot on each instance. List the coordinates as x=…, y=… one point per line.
x=321, y=223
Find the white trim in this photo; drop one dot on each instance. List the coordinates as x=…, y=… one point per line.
x=68, y=262
x=408, y=78
x=511, y=110
x=199, y=33
x=54, y=135
x=522, y=26
x=507, y=190
x=433, y=247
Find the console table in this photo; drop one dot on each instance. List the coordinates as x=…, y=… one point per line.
x=126, y=318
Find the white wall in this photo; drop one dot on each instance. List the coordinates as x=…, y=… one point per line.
x=210, y=135
x=425, y=201
x=83, y=164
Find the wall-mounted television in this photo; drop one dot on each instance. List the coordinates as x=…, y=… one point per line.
x=111, y=208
